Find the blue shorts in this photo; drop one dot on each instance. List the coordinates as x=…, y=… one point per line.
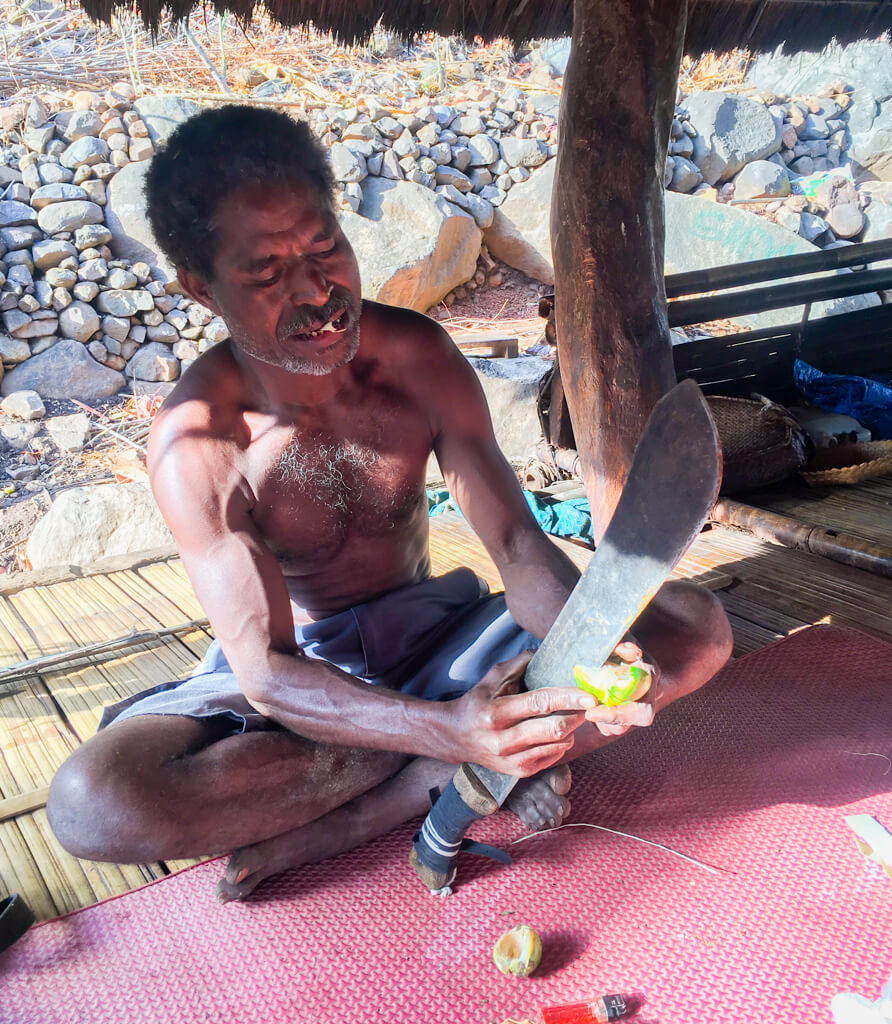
x=434, y=639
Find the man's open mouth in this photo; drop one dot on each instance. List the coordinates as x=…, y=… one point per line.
x=334, y=325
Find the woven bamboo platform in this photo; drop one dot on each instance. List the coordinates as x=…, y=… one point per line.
x=768, y=592
x=864, y=510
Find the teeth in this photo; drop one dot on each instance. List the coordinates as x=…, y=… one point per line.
x=328, y=328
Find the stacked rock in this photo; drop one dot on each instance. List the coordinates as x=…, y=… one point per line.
x=60, y=287
x=814, y=129
x=719, y=137
x=471, y=151
x=752, y=148
x=488, y=273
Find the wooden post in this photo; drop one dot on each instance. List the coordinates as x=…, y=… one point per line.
x=607, y=227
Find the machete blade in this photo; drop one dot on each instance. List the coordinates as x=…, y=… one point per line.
x=672, y=485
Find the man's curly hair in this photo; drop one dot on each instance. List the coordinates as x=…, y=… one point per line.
x=212, y=155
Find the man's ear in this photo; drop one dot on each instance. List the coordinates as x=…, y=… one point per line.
x=197, y=288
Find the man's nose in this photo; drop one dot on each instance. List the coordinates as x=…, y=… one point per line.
x=309, y=286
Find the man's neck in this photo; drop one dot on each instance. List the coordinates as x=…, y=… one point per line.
x=281, y=390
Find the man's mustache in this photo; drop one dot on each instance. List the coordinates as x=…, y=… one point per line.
x=307, y=317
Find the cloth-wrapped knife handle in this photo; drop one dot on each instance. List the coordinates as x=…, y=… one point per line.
x=440, y=838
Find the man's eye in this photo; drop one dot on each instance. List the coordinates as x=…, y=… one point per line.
x=330, y=251
x=267, y=282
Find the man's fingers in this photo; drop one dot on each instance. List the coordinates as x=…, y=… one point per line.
x=628, y=651
x=535, y=760
x=623, y=715
x=534, y=732
x=537, y=703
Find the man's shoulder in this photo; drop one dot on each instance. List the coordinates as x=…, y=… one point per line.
x=397, y=326
x=209, y=390
x=202, y=415
x=404, y=339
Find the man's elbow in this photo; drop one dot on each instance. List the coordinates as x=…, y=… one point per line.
x=267, y=681
x=259, y=682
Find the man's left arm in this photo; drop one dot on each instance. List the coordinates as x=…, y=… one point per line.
x=537, y=575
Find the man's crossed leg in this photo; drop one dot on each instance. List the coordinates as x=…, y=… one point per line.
x=166, y=787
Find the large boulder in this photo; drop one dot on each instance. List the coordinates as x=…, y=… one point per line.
x=866, y=64
x=731, y=132
x=125, y=217
x=520, y=231
x=701, y=234
x=413, y=246
x=66, y=370
x=511, y=387
x=89, y=523
x=870, y=132
x=162, y=115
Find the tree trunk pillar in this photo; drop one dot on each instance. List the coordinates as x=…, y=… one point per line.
x=607, y=230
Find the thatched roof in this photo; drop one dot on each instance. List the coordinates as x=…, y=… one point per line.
x=712, y=24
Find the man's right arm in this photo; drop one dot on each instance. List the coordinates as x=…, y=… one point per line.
x=207, y=505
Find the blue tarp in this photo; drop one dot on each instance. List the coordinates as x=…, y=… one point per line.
x=562, y=518
x=869, y=401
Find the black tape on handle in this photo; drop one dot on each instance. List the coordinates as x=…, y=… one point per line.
x=439, y=840
x=442, y=835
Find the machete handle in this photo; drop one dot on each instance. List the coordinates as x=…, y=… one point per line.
x=438, y=841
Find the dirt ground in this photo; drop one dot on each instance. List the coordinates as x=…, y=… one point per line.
x=115, y=451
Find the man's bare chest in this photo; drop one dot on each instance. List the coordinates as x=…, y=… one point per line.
x=317, y=486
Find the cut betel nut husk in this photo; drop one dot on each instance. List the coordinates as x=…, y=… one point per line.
x=615, y=682
x=518, y=951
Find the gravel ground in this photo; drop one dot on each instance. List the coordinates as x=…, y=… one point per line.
x=27, y=502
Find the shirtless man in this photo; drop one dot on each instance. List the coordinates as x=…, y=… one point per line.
x=290, y=465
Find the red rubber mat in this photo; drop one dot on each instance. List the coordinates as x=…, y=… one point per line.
x=753, y=776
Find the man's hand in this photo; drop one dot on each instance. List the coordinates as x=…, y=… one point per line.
x=517, y=733
x=618, y=720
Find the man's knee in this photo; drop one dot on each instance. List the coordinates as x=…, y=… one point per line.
x=86, y=803
x=111, y=799
x=691, y=631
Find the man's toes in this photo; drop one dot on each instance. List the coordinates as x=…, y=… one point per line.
x=559, y=778
x=241, y=877
x=539, y=806
x=241, y=864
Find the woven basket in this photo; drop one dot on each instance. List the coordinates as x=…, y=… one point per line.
x=761, y=442
x=849, y=463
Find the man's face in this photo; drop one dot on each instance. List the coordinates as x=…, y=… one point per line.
x=285, y=279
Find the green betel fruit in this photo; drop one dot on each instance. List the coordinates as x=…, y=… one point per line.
x=614, y=683
x=518, y=951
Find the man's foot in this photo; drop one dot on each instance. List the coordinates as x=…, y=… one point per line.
x=541, y=802
x=373, y=814
x=248, y=867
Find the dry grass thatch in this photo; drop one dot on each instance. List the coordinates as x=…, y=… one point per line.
x=712, y=24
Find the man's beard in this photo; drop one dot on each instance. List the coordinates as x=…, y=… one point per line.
x=305, y=317
x=314, y=368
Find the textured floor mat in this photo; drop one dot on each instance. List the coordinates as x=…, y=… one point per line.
x=753, y=777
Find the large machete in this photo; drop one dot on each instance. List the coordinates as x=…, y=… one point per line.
x=671, y=488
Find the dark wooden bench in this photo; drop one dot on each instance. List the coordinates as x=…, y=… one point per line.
x=859, y=342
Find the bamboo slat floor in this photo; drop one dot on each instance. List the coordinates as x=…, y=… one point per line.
x=863, y=510
x=768, y=592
